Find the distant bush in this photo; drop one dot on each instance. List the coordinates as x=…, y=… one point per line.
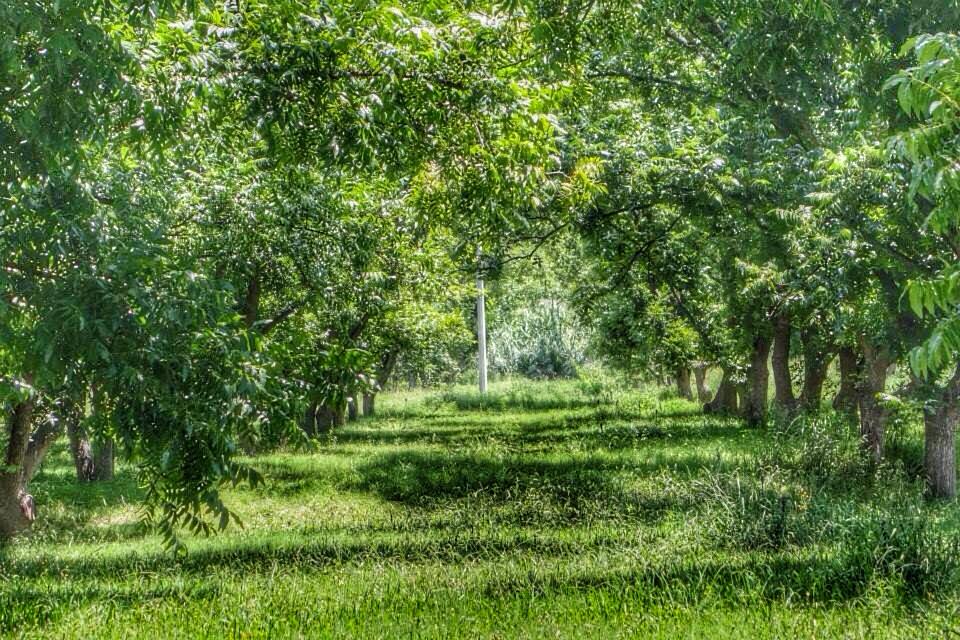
x=538, y=342
x=558, y=394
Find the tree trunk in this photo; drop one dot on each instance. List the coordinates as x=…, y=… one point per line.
x=703, y=391
x=682, y=377
x=387, y=364
x=17, y=509
x=353, y=411
x=251, y=302
x=873, y=381
x=783, y=392
x=310, y=420
x=725, y=400
x=939, y=449
x=846, y=399
x=754, y=409
x=369, y=404
x=329, y=417
x=41, y=440
x=82, y=452
x=103, y=459
x=816, y=360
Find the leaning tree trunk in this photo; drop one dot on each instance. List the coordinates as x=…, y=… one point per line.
x=754, y=409
x=41, y=440
x=682, y=377
x=17, y=510
x=700, y=375
x=873, y=381
x=816, y=361
x=846, y=399
x=783, y=385
x=939, y=447
x=725, y=400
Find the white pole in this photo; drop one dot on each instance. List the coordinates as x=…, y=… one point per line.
x=481, y=334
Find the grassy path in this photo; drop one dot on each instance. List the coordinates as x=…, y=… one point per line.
x=541, y=512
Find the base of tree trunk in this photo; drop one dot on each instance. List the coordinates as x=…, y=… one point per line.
x=725, y=400
x=939, y=455
x=17, y=510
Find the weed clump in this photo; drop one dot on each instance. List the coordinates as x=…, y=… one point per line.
x=747, y=513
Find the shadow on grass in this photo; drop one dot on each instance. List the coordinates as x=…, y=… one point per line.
x=421, y=477
x=68, y=508
x=584, y=430
x=782, y=577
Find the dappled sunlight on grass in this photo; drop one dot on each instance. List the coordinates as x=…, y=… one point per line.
x=517, y=518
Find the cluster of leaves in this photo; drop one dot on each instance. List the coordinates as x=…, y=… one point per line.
x=215, y=215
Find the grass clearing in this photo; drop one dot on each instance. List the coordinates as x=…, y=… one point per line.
x=555, y=509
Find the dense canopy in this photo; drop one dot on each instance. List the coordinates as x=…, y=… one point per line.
x=226, y=226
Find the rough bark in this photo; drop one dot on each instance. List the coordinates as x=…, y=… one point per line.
x=846, y=398
x=682, y=378
x=44, y=436
x=754, y=409
x=725, y=400
x=17, y=509
x=703, y=391
x=872, y=382
x=103, y=459
x=780, y=362
x=82, y=452
x=939, y=447
x=816, y=361
x=19, y=430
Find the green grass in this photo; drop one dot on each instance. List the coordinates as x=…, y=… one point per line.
x=561, y=509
